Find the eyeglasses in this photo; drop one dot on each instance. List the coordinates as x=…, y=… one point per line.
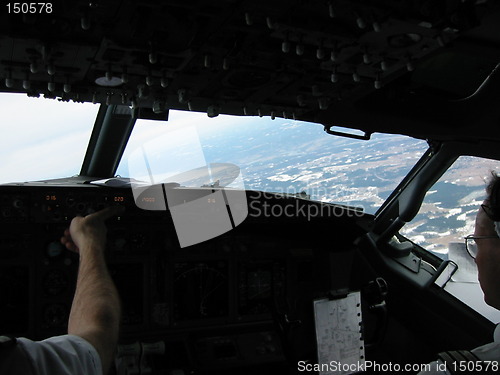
x=471, y=245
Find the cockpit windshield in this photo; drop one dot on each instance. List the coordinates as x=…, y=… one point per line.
x=43, y=138
x=281, y=156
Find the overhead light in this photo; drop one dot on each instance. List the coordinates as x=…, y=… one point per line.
x=153, y=57
x=285, y=46
x=34, y=66
x=51, y=68
x=164, y=82
x=51, y=86
x=9, y=82
x=248, y=19
x=109, y=81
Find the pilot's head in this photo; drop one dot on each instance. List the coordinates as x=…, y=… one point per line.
x=488, y=249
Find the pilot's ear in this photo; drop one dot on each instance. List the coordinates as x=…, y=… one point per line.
x=491, y=182
x=493, y=191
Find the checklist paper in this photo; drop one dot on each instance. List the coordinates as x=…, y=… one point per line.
x=338, y=334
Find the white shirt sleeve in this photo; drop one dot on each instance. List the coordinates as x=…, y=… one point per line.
x=62, y=355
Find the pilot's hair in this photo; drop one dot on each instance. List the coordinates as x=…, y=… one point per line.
x=493, y=191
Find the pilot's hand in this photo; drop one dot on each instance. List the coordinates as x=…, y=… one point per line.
x=89, y=233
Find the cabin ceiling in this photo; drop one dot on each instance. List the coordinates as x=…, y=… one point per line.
x=399, y=66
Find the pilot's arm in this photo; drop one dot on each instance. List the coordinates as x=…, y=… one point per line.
x=89, y=346
x=95, y=312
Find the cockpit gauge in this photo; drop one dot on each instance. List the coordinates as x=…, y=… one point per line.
x=55, y=283
x=260, y=285
x=200, y=290
x=54, y=249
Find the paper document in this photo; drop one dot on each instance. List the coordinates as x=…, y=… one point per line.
x=338, y=334
x=467, y=269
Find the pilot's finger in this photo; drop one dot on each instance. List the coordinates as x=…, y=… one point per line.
x=70, y=245
x=66, y=237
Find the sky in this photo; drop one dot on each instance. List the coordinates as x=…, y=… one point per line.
x=42, y=138
x=45, y=139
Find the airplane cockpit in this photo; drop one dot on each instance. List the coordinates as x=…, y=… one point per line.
x=298, y=177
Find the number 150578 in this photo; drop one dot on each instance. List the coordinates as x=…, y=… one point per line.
x=29, y=8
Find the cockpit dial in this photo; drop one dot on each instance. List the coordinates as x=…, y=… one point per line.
x=200, y=290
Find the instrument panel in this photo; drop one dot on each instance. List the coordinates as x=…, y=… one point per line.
x=221, y=304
